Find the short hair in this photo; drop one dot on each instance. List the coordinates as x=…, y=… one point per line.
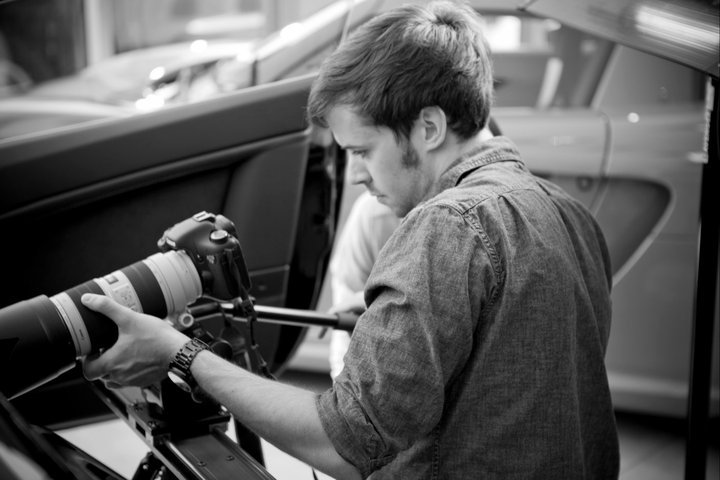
x=407, y=59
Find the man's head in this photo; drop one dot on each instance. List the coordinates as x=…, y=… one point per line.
x=404, y=96
x=405, y=60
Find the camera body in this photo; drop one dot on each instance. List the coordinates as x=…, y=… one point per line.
x=211, y=243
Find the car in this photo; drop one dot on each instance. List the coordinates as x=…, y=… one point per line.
x=621, y=129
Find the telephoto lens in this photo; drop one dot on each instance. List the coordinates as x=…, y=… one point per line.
x=42, y=337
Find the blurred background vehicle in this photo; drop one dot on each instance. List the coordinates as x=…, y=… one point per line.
x=119, y=118
x=167, y=55
x=150, y=78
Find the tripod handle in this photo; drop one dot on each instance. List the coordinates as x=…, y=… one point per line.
x=303, y=318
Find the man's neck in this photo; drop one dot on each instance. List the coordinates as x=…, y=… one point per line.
x=454, y=148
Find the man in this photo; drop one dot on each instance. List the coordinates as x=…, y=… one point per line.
x=481, y=352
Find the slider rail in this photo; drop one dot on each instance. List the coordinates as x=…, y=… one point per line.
x=195, y=447
x=209, y=456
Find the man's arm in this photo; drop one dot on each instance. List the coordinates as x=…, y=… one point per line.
x=283, y=415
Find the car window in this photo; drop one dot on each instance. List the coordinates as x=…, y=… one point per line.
x=63, y=63
x=73, y=61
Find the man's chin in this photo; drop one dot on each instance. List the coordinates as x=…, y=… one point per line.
x=384, y=200
x=398, y=211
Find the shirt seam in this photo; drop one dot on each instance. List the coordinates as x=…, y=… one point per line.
x=476, y=226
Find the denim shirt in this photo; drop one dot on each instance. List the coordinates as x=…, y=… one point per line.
x=481, y=353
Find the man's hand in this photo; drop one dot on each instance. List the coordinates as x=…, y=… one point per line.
x=284, y=415
x=142, y=352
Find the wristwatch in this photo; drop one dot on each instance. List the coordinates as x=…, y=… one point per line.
x=179, y=368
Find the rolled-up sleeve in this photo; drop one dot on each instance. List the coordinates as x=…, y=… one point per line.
x=414, y=338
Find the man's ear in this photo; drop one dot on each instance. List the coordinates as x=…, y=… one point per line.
x=433, y=123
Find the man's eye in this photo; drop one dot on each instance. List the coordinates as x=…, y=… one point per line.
x=358, y=153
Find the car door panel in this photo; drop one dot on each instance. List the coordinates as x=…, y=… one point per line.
x=80, y=203
x=86, y=154
x=655, y=275
x=568, y=148
x=557, y=142
x=253, y=172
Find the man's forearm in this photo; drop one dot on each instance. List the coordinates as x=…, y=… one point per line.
x=283, y=415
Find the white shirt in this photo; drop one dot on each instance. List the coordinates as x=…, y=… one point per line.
x=367, y=228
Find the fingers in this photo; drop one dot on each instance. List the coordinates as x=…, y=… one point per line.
x=93, y=370
x=96, y=367
x=105, y=305
x=144, y=347
x=93, y=367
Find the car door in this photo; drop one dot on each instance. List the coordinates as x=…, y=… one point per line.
x=78, y=203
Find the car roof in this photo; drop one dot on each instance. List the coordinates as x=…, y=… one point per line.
x=683, y=31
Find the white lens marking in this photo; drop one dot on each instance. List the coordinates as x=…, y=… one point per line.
x=118, y=287
x=175, y=274
x=74, y=323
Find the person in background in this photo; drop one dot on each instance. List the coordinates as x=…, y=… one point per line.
x=481, y=351
x=368, y=226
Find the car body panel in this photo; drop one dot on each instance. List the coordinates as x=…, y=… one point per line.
x=28, y=451
x=220, y=123
x=648, y=356
x=23, y=116
x=685, y=32
x=558, y=141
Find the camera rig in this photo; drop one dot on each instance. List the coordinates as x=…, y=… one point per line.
x=200, y=283
x=187, y=436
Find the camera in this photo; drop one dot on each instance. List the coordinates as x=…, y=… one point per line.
x=42, y=337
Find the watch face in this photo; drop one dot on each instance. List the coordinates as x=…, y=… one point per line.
x=178, y=380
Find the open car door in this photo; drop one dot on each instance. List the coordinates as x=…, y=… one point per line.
x=79, y=203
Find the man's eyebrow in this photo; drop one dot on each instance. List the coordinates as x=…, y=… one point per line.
x=352, y=146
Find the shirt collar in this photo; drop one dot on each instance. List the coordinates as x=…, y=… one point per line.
x=496, y=149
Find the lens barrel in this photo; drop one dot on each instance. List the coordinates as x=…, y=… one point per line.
x=42, y=337
x=35, y=345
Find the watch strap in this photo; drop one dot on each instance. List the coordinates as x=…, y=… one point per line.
x=181, y=362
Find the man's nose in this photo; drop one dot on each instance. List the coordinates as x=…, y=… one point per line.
x=357, y=172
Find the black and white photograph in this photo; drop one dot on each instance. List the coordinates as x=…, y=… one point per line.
x=359, y=239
